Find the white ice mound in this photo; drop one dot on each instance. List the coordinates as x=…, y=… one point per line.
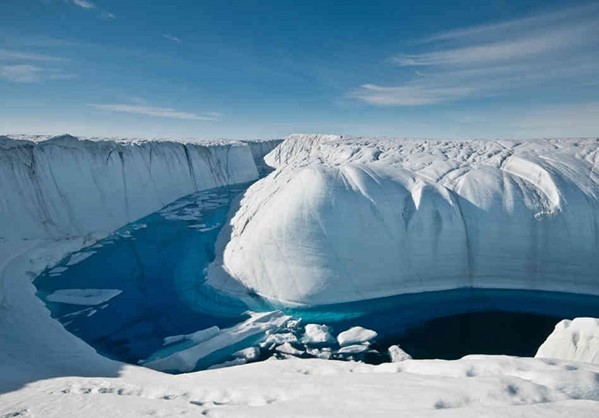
x=350, y=219
x=316, y=334
x=356, y=335
x=576, y=340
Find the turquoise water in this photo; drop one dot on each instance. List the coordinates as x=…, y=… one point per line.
x=159, y=265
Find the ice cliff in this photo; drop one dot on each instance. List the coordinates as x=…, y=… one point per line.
x=345, y=219
x=64, y=187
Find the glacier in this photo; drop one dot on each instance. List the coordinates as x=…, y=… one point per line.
x=47, y=371
x=346, y=219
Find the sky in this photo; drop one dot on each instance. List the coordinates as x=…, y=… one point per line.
x=269, y=68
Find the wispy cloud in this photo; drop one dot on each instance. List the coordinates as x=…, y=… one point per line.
x=409, y=95
x=11, y=55
x=90, y=5
x=30, y=67
x=172, y=38
x=84, y=3
x=162, y=112
x=28, y=73
x=21, y=73
x=491, y=59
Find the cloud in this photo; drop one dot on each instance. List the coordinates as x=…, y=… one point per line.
x=20, y=73
x=162, y=112
x=28, y=73
x=482, y=61
x=538, y=21
x=172, y=38
x=89, y=5
x=408, y=95
x=30, y=67
x=107, y=15
x=84, y=4
x=11, y=55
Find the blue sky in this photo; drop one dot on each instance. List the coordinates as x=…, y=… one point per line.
x=251, y=68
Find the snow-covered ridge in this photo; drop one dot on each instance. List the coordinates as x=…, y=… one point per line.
x=345, y=219
x=65, y=187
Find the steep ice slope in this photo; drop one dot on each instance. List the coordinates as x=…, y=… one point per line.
x=65, y=187
x=349, y=219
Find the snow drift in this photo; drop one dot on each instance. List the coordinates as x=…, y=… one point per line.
x=345, y=219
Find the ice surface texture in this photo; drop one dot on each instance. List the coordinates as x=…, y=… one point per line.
x=345, y=219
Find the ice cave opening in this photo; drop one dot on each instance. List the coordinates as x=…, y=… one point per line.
x=139, y=295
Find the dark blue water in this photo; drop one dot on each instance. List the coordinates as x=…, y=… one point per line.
x=159, y=265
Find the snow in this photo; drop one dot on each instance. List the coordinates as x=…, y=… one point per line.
x=397, y=354
x=472, y=387
x=83, y=296
x=347, y=219
x=573, y=340
x=356, y=335
x=315, y=334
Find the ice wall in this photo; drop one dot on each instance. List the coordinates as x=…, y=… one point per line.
x=345, y=219
x=64, y=187
x=261, y=148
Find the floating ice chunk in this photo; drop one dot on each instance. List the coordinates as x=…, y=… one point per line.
x=317, y=334
x=287, y=348
x=573, y=340
x=278, y=339
x=294, y=323
x=250, y=331
x=323, y=353
x=79, y=257
x=355, y=335
x=397, y=354
x=197, y=337
x=57, y=270
x=248, y=354
x=353, y=349
x=83, y=296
